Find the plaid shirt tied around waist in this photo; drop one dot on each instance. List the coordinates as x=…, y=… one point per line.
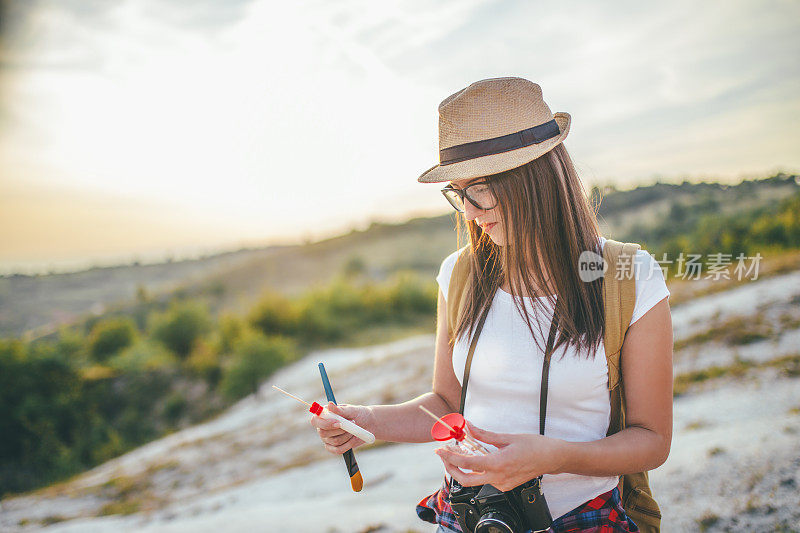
x=603, y=514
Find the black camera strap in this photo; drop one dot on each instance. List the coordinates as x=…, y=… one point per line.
x=467, y=365
x=548, y=351
x=545, y=365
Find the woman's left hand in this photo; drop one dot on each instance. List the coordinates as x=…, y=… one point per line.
x=519, y=458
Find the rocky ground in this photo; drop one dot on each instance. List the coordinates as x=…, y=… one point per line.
x=734, y=464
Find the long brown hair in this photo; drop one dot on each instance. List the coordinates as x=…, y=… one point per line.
x=548, y=224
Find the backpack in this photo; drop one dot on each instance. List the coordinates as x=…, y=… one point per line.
x=619, y=298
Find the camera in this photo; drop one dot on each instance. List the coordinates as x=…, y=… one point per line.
x=485, y=509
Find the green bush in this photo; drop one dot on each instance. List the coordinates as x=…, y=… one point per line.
x=175, y=407
x=204, y=362
x=142, y=355
x=343, y=308
x=126, y=410
x=71, y=344
x=111, y=335
x=274, y=314
x=255, y=357
x=181, y=326
x=40, y=415
x=231, y=327
x=408, y=296
x=701, y=230
x=329, y=312
x=316, y=324
x=354, y=267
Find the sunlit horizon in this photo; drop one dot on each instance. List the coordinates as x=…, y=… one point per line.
x=140, y=131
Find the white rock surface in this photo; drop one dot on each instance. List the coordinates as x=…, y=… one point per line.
x=735, y=451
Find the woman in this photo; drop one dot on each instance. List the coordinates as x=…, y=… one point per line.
x=528, y=222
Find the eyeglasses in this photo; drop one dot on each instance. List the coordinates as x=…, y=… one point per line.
x=479, y=194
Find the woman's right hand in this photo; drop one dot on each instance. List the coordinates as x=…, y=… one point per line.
x=335, y=439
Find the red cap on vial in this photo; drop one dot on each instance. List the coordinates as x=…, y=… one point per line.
x=316, y=408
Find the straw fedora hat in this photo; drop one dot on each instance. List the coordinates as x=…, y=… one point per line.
x=492, y=126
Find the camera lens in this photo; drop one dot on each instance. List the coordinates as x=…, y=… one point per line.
x=494, y=522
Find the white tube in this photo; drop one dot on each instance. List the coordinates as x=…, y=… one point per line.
x=348, y=426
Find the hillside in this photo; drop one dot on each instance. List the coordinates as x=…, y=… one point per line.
x=37, y=305
x=140, y=369
x=733, y=463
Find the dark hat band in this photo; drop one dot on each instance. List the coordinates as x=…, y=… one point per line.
x=498, y=145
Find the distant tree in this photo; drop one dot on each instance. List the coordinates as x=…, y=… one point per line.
x=175, y=407
x=231, y=328
x=144, y=354
x=255, y=357
x=181, y=326
x=111, y=335
x=215, y=288
x=40, y=416
x=354, y=267
x=274, y=314
x=71, y=344
x=142, y=296
x=204, y=361
x=677, y=211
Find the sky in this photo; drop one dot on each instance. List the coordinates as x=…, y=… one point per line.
x=141, y=129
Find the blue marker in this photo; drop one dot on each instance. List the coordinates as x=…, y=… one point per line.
x=356, y=481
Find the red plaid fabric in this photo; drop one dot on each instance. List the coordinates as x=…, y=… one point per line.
x=603, y=514
x=436, y=509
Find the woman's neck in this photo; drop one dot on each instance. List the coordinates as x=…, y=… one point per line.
x=539, y=287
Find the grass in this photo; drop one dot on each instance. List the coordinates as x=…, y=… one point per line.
x=682, y=382
x=52, y=519
x=697, y=424
x=125, y=507
x=716, y=450
x=735, y=331
x=789, y=321
x=788, y=366
x=380, y=334
x=124, y=486
x=171, y=464
x=754, y=479
x=131, y=494
x=707, y=520
x=302, y=459
x=754, y=506
x=374, y=528
x=775, y=264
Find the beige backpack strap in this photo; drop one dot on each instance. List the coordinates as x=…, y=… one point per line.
x=619, y=299
x=455, y=290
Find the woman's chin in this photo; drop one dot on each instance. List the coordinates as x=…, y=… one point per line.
x=497, y=240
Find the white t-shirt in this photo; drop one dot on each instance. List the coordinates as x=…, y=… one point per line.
x=506, y=373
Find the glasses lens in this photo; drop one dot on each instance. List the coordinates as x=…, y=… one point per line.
x=454, y=199
x=481, y=194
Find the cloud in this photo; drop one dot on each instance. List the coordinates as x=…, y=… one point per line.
x=283, y=118
x=203, y=15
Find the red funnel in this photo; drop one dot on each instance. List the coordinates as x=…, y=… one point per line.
x=440, y=432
